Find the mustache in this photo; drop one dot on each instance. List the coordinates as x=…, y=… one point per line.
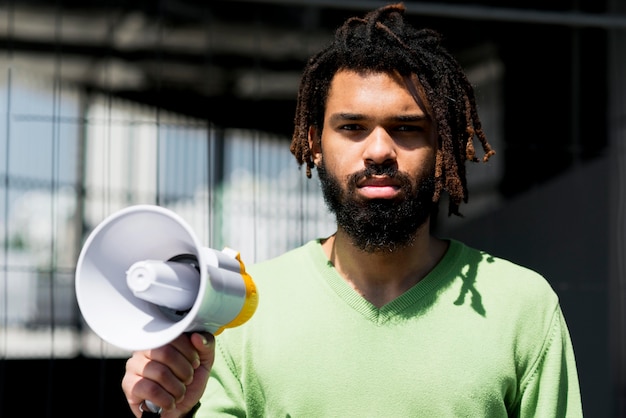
x=376, y=170
x=390, y=171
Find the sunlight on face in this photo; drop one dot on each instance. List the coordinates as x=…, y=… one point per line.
x=376, y=160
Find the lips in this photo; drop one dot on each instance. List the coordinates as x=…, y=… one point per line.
x=378, y=181
x=379, y=187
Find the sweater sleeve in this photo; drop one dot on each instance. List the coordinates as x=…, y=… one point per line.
x=551, y=388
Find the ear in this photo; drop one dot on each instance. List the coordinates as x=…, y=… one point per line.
x=315, y=145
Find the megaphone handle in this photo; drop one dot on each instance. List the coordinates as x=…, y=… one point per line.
x=152, y=407
x=151, y=411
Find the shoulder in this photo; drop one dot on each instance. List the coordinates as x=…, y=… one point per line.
x=289, y=272
x=287, y=262
x=500, y=277
x=513, y=302
x=489, y=264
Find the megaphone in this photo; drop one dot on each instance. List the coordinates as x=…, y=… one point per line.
x=143, y=279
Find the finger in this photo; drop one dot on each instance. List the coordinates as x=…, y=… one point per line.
x=146, y=389
x=180, y=359
x=138, y=388
x=164, y=375
x=128, y=387
x=204, y=343
x=159, y=374
x=186, y=348
x=134, y=365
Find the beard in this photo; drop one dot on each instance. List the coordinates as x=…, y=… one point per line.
x=379, y=225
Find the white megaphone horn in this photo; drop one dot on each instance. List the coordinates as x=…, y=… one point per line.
x=143, y=279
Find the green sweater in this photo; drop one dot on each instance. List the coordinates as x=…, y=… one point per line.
x=478, y=337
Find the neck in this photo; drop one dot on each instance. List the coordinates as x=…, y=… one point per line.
x=381, y=277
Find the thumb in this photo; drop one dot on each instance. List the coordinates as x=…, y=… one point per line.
x=204, y=342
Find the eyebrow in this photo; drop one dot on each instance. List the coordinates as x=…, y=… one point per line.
x=358, y=116
x=412, y=118
x=346, y=116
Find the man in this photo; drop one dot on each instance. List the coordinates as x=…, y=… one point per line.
x=381, y=319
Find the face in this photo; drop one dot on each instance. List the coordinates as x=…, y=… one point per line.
x=375, y=160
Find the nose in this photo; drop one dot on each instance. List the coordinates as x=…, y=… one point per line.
x=379, y=148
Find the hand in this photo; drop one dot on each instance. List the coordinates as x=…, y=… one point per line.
x=173, y=376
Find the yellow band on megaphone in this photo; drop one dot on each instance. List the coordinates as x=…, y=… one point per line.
x=250, y=303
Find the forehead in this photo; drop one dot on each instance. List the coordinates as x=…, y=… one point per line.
x=349, y=87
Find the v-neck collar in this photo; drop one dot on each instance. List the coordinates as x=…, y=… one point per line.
x=435, y=279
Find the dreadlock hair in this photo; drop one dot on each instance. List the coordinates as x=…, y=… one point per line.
x=382, y=42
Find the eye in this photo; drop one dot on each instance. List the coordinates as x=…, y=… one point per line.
x=411, y=135
x=350, y=127
x=410, y=128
